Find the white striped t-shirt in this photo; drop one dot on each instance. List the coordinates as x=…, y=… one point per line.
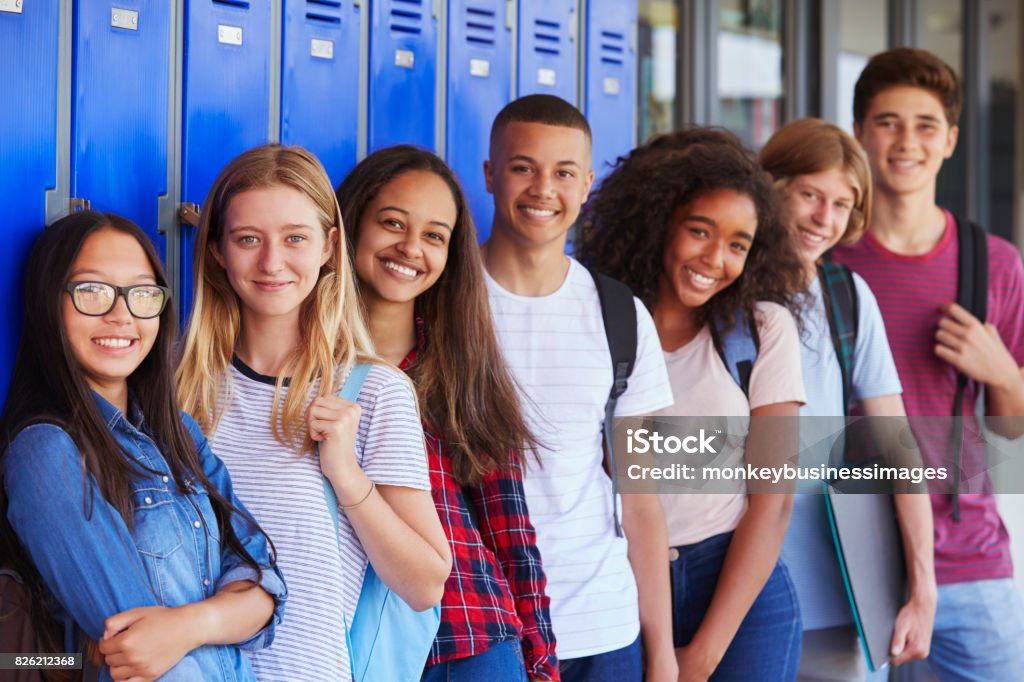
x=284, y=492
x=557, y=350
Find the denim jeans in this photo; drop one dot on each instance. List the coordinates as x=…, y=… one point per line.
x=502, y=662
x=978, y=636
x=767, y=644
x=619, y=665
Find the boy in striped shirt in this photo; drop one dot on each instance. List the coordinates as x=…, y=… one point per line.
x=906, y=107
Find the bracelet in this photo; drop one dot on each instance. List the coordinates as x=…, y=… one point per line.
x=373, y=487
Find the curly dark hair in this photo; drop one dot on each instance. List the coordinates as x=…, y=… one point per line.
x=624, y=226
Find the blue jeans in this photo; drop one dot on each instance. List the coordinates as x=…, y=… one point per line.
x=978, y=636
x=501, y=662
x=620, y=665
x=767, y=645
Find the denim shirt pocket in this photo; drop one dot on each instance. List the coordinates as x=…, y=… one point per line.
x=211, y=543
x=158, y=537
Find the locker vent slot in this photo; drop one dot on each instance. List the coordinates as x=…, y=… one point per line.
x=613, y=48
x=407, y=16
x=547, y=38
x=481, y=26
x=326, y=11
x=244, y=4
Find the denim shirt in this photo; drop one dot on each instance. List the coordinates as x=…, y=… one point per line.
x=94, y=567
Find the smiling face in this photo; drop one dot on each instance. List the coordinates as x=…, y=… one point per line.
x=108, y=348
x=707, y=246
x=272, y=249
x=818, y=208
x=540, y=176
x=403, y=237
x=906, y=137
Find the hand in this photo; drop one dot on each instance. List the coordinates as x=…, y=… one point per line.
x=695, y=665
x=142, y=644
x=333, y=422
x=973, y=348
x=662, y=668
x=912, y=634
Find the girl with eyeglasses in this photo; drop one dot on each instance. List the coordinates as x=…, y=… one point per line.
x=121, y=522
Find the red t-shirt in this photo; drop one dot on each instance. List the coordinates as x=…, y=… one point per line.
x=910, y=292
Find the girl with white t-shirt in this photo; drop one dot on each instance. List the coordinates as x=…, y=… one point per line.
x=691, y=223
x=274, y=331
x=826, y=183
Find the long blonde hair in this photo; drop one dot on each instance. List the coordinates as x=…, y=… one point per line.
x=330, y=320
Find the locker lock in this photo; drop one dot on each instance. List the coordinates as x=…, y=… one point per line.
x=77, y=205
x=189, y=214
x=12, y=6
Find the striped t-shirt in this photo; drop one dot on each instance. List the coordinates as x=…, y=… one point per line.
x=556, y=349
x=284, y=491
x=910, y=291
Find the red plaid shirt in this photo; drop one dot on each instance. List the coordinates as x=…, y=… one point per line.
x=495, y=592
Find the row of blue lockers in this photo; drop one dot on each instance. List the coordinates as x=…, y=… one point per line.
x=134, y=106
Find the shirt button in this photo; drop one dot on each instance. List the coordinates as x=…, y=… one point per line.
x=148, y=500
x=197, y=524
x=673, y=554
x=206, y=582
x=166, y=479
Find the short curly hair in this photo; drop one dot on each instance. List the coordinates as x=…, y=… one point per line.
x=624, y=227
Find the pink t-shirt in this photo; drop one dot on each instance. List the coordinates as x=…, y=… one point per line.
x=910, y=291
x=702, y=386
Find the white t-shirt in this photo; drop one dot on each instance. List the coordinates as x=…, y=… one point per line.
x=557, y=350
x=808, y=550
x=284, y=491
x=703, y=386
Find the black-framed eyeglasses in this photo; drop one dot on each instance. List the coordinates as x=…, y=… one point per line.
x=145, y=301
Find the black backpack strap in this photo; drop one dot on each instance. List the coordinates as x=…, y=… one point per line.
x=972, y=294
x=737, y=342
x=842, y=311
x=618, y=313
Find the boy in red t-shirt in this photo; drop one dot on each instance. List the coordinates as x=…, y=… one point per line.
x=906, y=107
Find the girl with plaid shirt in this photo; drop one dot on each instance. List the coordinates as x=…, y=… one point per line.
x=421, y=282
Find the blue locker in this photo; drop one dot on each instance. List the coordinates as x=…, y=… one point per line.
x=120, y=53
x=320, y=81
x=479, y=83
x=610, y=81
x=403, y=59
x=28, y=151
x=547, y=48
x=225, y=100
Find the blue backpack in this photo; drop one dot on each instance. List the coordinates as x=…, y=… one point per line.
x=387, y=639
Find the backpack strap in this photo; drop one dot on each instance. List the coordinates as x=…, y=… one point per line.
x=972, y=294
x=841, y=309
x=349, y=391
x=738, y=347
x=618, y=313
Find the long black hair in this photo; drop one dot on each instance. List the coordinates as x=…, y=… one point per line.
x=48, y=386
x=466, y=393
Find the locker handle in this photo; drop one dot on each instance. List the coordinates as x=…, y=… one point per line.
x=188, y=213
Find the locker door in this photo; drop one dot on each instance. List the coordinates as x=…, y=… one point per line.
x=225, y=100
x=28, y=151
x=610, y=81
x=402, y=88
x=547, y=48
x=320, y=81
x=479, y=83
x=120, y=52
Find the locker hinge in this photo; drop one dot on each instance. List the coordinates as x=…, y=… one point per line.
x=189, y=213
x=510, y=14
x=77, y=205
